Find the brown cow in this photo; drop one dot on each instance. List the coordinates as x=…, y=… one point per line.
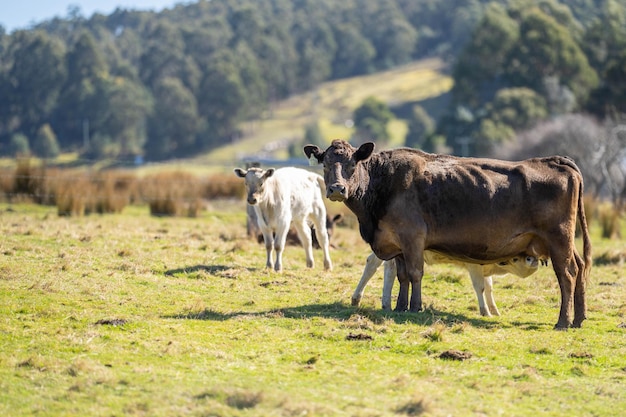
x=469, y=209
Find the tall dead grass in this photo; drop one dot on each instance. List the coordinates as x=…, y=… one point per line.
x=175, y=193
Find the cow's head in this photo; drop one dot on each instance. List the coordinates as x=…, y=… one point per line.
x=340, y=161
x=522, y=265
x=254, y=179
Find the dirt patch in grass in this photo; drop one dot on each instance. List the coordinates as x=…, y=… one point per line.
x=455, y=355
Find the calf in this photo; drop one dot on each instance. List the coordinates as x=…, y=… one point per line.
x=285, y=196
x=482, y=282
x=474, y=210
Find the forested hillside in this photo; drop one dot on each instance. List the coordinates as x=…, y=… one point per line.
x=183, y=81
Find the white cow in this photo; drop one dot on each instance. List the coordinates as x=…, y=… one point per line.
x=284, y=196
x=522, y=266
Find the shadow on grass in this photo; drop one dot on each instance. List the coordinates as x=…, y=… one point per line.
x=225, y=271
x=340, y=312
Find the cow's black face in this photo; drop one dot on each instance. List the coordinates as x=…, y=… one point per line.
x=340, y=161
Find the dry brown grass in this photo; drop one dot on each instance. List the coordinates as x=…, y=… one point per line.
x=610, y=221
x=175, y=193
x=224, y=186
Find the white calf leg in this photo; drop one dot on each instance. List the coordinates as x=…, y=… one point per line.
x=478, y=282
x=491, y=302
x=371, y=265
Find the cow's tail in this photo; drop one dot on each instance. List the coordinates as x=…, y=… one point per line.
x=585, y=233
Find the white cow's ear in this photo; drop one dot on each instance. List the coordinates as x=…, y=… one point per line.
x=240, y=172
x=269, y=173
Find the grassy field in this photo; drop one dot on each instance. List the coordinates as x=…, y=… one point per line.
x=132, y=315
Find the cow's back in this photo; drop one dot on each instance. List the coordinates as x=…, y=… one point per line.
x=297, y=189
x=470, y=206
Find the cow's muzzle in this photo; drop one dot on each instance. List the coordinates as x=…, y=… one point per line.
x=336, y=192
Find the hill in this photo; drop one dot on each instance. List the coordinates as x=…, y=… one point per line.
x=332, y=105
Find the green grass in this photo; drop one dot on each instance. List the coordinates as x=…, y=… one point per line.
x=140, y=316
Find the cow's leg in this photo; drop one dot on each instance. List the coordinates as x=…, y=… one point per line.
x=279, y=244
x=580, y=304
x=402, y=304
x=414, y=265
x=371, y=265
x=322, y=238
x=391, y=271
x=566, y=270
x=491, y=301
x=268, y=239
x=304, y=233
x=478, y=282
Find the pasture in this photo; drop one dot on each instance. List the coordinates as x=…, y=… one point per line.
x=134, y=315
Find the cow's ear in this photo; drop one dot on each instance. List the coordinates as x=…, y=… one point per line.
x=240, y=172
x=269, y=173
x=314, y=153
x=364, y=151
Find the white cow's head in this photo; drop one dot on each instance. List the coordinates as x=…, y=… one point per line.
x=254, y=179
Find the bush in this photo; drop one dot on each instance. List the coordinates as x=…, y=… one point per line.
x=224, y=186
x=18, y=145
x=172, y=194
x=74, y=194
x=27, y=182
x=113, y=192
x=45, y=144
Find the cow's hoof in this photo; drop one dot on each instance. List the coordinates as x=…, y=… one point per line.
x=356, y=302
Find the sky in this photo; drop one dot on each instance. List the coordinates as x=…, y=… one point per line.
x=20, y=14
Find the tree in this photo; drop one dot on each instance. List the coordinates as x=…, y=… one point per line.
x=86, y=68
x=221, y=100
x=599, y=150
x=610, y=98
x=546, y=49
x=126, y=105
x=174, y=123
x=371, y=119
x=512, y=110
x=18, y=145
x=313, y=135
x=45, y=144
x=164, y=57
x=478, y=71
x=421, y=126
x=317, y=46
x=37, y=74
x=85, y=59
x=354, y=53
x=387, y=29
